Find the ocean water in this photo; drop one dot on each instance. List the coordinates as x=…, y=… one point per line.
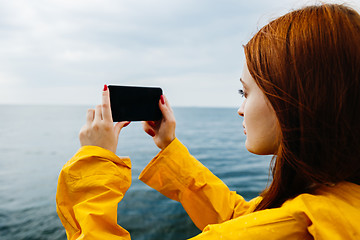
x=36, y=141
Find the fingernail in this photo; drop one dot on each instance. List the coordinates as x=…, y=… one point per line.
x=127, y=124
x=152, y=123
x=151, y=133
x=105, y=87
x=162, y=99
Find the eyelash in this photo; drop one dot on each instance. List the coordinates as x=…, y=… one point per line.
x=242, y=93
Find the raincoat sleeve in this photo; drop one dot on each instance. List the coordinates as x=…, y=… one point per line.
x=206, y=199
x=90, y=186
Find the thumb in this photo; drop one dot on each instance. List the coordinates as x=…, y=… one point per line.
x=119, y=125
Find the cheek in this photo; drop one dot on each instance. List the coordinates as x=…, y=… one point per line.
x=261, y=128
x=253, y=115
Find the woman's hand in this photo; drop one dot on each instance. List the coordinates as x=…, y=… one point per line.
x=162, y=131
x=99, y=129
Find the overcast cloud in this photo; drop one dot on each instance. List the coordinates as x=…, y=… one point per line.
x=64, y=51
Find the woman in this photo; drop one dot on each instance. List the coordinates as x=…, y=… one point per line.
x=302, y=94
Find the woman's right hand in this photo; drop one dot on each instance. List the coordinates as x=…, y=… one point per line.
x=162, y=131
x=99, y=129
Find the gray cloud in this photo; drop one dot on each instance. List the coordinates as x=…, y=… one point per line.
x=62, y=52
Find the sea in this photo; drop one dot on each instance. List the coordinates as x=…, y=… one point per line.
x=36, y=141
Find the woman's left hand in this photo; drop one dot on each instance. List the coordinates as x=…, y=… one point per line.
x=99, y=129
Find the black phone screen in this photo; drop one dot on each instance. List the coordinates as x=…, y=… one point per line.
x=135, y=103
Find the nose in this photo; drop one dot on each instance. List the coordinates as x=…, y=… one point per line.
x=241, y=109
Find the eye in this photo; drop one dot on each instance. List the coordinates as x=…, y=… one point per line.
x=242, y=93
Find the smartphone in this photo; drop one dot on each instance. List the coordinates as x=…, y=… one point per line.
x=135, y=103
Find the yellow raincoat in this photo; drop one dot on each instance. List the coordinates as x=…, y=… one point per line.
x=95, y=180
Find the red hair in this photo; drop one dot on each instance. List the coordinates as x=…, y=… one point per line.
x=307, y=63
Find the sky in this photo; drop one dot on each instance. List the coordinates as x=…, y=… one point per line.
x=62, y=52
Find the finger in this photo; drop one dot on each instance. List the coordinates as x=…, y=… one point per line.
x=98, y=113
x=167, y=103
x=151, y=123
x=119, y=125
x=106, y=110
x=165, y=108
x=150, y=132
x=90, y=116
x=146, y=125
x=148, y=129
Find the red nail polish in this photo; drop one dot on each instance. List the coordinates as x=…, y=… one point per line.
x=105, y=87
x=127, y=124
x=151, y=133
x=152, y=123
x=162, y=99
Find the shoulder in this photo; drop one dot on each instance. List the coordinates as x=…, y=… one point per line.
x=332, y=211
x=268, y=224
x=342, y=196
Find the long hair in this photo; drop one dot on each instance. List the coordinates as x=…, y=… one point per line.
x=307, y=63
